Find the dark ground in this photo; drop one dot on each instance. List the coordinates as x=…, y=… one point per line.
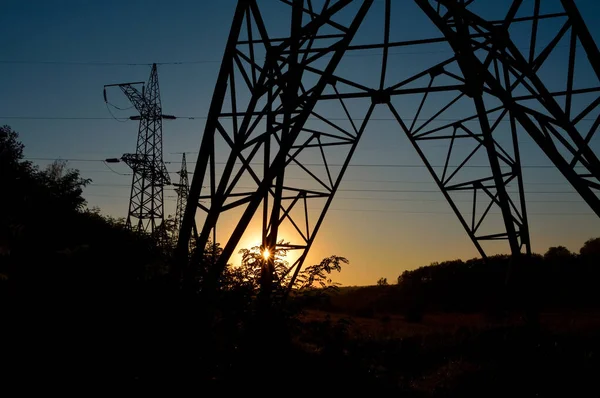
x=145, y=342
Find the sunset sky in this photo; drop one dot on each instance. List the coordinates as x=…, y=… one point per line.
x=388, y=215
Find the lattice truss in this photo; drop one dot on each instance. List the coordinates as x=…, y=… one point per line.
x=146, y=203
x=301, y=80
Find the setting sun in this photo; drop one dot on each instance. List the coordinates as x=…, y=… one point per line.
x=266, y=254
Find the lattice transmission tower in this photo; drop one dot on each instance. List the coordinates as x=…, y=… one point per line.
x=150, y=175
x=182, y=188
x=293, y=99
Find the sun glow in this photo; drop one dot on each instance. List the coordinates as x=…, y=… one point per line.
x=266, y=254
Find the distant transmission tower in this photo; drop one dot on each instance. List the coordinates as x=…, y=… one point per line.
x=182, y=189
x=146, y=203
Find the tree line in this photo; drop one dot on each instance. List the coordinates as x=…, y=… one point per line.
x=558, y=279
x=52, y=243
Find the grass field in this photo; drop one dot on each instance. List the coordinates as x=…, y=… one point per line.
x=464, y=355
x=395, y=326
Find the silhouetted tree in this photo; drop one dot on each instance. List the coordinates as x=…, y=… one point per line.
x=45, y=225
x=16, y=178
x=382, y=282
x=317, y=275
x=253, y=260
x=167, y=233
x=37, y=207
x=64, y=185
x=591, y=247
x=557, y=278
x=557, y=253
x=312, y=277
x=402, y=277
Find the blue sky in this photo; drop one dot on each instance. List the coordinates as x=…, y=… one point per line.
x=56, y=56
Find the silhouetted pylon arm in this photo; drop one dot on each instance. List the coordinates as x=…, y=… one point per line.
x=279, y=162
x=206, y=147
x=521, y=114
x=285, y=121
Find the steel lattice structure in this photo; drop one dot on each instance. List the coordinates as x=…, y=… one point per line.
x=183, y=190
x=146, y=203
x=297, y=102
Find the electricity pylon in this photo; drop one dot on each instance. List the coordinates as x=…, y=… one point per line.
x=182, y=189
x=292, y=105
x=150, y=175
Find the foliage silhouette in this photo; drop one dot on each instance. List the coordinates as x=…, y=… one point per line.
x=591, y=248
x=89, y=303
x=559, y=279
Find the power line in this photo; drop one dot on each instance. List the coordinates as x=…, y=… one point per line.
x=444, y=201
x=349, y=53
x=379, y=119
x=374, y=181
x=108, y=185
x=358, y=165
x=384, y=199
x=57, y=117
x=104, y=171
x=197, y=62
x=449, y=213
x=122, y=120
x=114, y=171
x=351, y=180
x=418, y=182
x=118, y=185
x=120, y=196
x=400, y=190
x=172, y=197
x=100, y=63
x=314, y=164
x=468, y=191
x=438, y=191
x=65, y=159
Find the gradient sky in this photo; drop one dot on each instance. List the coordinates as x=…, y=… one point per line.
x=57, y=55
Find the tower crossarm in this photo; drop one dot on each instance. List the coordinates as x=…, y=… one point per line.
x=137, y=99
x=133, y=94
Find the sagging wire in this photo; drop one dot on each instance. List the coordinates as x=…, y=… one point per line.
x=120, y=109
x=114, y=171
x=110, y=111
x=114, y=117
